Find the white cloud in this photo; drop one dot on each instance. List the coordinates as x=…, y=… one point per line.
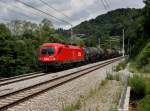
x=77, y=10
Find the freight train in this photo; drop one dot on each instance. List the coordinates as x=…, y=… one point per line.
x=52, y=55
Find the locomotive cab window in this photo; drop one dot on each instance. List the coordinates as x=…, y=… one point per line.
x=59, y=51
x=48, y=50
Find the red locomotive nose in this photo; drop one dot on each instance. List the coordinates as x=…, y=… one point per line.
x=47, y=54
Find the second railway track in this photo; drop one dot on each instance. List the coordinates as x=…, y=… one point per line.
x=13, y=98
x=6, y=81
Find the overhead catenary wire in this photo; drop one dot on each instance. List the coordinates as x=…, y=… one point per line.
x=50, y=15
x=107, y=4
x=41, y=11
x=16, y=10
x=31, y=13
x=55, y=9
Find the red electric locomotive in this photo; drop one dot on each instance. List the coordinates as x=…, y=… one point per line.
x=56, y=54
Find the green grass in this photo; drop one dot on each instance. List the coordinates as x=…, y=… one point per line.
x=110, y=76
x=144, y=104
x=73, y=107
x=147, y=81
x=68, y=108
x=140, y=92
x=103, y=83
x=135, y=68
x=97, y=109
x=138, y=87
x=141, y=62
x=76, y=105
x=145, y=68
x=92, y=92
x=122, y=65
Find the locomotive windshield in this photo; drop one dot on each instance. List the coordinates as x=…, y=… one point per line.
x=48, y=50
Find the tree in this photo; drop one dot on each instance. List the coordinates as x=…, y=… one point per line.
x=47, y=26
x=146, y=13
x=6, y=45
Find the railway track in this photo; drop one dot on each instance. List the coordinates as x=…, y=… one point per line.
x=10, y=80
x=6, y=81
x=13, y=98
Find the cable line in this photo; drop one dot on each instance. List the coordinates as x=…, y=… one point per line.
x=105, y=6
x=52, y=16
x=55, y=9
x=16, y=10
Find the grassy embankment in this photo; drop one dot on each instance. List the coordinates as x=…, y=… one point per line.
x=140, y=82
x=122, y=65
x=140, y=92
x=141, y=63
x=103, y=98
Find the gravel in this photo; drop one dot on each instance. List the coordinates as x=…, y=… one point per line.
x=56, y=99
x=104, y=99
x=26, y=83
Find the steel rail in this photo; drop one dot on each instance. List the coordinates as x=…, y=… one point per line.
x=13, y=98
x=10, y=80
x=15, y=79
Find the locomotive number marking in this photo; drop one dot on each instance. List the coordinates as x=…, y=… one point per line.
x=46, y=59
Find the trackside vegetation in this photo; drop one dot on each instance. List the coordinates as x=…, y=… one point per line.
x=107, y=89
x=138, y=36
x=140, y=92
x=142, y=61
x=19, y=45
x=144, y=104
x=122, y=65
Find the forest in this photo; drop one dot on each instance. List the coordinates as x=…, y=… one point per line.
x=19, y=43
x=20, y=40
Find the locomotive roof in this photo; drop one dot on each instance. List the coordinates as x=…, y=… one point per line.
x=52, y=44
x=59, y=44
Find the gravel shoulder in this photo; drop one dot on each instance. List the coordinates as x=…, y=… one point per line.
x=105, y=98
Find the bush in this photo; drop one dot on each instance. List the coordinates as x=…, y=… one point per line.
x=146, y=68
x=144, y=104
x=144, y=54
x=113, y=77
x=103, y=82
x=138, y=87
x=147, y=86
x=109, y=76
x=142, y=60
x=121, y=65
x=133, y=67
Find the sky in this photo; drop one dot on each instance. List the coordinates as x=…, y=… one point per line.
x=62, y=13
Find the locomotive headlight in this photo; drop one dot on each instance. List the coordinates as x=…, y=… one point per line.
x=54, y=58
